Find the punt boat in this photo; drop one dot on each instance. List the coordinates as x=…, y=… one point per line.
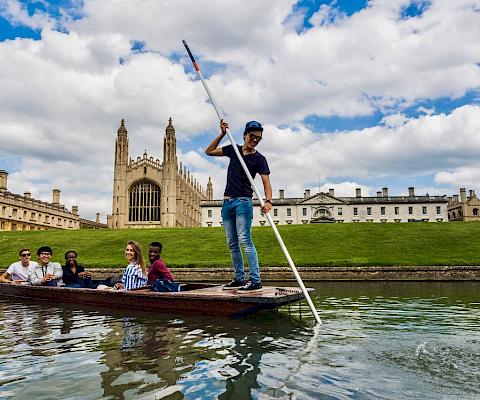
x=195, y=298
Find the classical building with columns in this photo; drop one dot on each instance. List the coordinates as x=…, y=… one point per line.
x=148, y=193
x=24, y=213
x=328, y=208
x=464, y=208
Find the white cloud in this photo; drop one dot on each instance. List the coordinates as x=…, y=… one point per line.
x=468, y=177
x=17, y=14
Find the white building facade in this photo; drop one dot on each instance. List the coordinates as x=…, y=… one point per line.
x=327, y=208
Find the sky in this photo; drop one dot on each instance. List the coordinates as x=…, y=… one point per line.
x=351, y=93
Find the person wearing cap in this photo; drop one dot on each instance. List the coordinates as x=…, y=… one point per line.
x=237, y=209
x=18, y=271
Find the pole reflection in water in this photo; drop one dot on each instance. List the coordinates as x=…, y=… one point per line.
x=379, y=340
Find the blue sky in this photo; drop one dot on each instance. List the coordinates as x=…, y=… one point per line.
x=352, y=93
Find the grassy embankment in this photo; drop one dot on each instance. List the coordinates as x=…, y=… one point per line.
x=309, y=245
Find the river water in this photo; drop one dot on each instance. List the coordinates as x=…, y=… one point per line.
x=379, y=340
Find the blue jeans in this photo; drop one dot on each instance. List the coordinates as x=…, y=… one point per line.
x=237, y=215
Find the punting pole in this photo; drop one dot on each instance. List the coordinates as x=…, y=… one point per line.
x=247, y=172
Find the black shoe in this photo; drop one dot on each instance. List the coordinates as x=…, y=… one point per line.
x=233, y=285
x=251, y=286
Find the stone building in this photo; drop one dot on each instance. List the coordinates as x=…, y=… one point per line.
x=89, y=224
x=464, y=208
x=326, y=207
x=148, y=193
x=24, y=213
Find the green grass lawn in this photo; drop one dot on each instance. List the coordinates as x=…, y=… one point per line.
x=309, y=245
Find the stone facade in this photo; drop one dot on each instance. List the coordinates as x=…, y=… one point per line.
x=326, y=207
x=148, y=193
x=464, y=208
x=24, y=213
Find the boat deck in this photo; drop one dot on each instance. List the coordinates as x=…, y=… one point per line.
x=193, y=298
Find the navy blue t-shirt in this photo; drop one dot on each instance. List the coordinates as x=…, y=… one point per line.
x=238, y=184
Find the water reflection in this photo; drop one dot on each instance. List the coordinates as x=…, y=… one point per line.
x=395, y=340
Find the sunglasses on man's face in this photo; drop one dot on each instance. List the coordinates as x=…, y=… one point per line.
x=255, y=138
x=25, y=255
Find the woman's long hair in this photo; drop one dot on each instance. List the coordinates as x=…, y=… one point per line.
x=138, y=255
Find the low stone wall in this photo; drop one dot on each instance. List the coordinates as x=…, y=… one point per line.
x=284, y=274
x=380, y=273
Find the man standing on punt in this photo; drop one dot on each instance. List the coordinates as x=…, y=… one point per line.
x=237, y=209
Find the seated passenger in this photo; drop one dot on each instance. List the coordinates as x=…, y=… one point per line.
x=158, y=269
x=135, y=275
x=46, y=273
x=158, y=274
x=74, y=275
x=18, y=271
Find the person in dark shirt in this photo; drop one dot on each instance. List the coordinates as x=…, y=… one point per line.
x=237, y=209
x=158, y=269
x=74, y=275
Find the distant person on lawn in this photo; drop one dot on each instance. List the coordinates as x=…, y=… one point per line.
x=74, y=275
x=135, y=275
x=18, y=271
x=237, y=209
x=46, y=273
x=158, y=274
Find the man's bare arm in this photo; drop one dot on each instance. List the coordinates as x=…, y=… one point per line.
x=213, y=149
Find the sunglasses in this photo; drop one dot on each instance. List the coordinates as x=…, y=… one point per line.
x=254, y=137
x=25, y=255
x=45, y=254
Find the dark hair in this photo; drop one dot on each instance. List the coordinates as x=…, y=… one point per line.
x=22, y=250
x=45, y=249
x=138, y=255
x=156, y=244
x=70, y=251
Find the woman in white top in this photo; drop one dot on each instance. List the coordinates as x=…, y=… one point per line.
x=135, y=275
x=18, y=271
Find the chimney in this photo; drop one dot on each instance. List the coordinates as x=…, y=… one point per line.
x=450, y=199
x=97, y=218
x=281, y=194
x=385, y=192
x=359, y=192
x=379, y=194
x=307, y=193
x=471, y=193
x=75, y=210
x=411, y=191
x=331, y=192
x=109, y=221
x=455, y=198
x=3, y=181
x=27, y=195
x=55, y=196
x=463, y=197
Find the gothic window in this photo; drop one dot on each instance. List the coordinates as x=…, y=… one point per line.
x=144, y=204
x=475, y=211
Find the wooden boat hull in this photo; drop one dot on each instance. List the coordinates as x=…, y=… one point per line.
x=195, y=299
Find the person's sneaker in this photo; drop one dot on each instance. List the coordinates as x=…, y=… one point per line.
x=233, y=285
x=251, y=286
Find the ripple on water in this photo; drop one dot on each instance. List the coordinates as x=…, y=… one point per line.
x=372, y=345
